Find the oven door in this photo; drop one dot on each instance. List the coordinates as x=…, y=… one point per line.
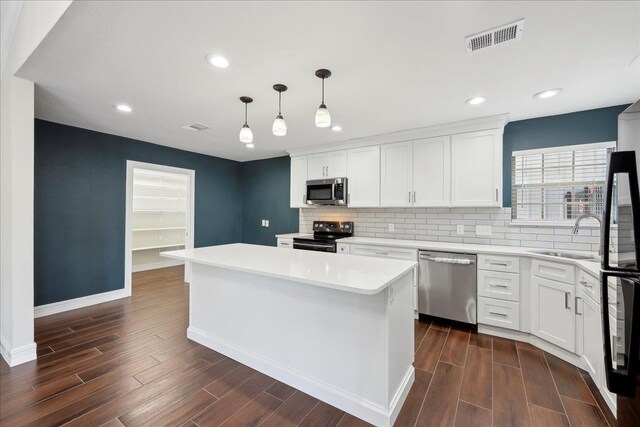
x=314, y=246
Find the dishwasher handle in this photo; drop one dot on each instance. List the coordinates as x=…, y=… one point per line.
x=447, y=260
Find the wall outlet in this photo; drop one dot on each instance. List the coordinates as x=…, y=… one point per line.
x=265, y=222
x=392, y=227
x=483, y=230
x=460, y=229
x=262, y=224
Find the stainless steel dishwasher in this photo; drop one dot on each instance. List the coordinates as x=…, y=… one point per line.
x=447, y=285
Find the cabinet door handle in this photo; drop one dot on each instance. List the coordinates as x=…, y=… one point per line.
x=304, y=200
x=566, y=300
x=414, y=197
x=409, y=197
x=576, y=302
x=495, y=313
x=496, y=194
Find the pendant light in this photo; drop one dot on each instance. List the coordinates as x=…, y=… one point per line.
x=323, y=118
x=246, y=135
x=279, y=125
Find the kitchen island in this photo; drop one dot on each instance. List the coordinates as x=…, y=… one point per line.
x=337, y=327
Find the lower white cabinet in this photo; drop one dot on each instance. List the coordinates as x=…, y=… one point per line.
x=589, y=334
x=285, y=242
x=552, y=312
x=495, y=312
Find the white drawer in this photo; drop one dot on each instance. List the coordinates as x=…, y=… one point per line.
x=384, y=252
x=505, y=314
x=553, y=270
x=508, y=264
x=496, y=284
x=285, y=243
x=589, y=285
x=343, y=248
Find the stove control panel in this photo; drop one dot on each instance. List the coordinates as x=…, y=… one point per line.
x=342, y=227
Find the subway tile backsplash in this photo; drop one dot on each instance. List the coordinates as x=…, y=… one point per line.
x=440, y=224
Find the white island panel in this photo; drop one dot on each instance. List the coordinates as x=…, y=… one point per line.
x=351, y=349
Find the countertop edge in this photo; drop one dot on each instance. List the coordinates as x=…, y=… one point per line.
x=327, y=285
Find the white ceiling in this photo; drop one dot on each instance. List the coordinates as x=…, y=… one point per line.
x=396, y=66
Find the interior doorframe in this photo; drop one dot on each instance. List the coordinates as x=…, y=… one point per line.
x=189, y=240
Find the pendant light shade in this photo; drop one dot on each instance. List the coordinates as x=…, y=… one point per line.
x=246, y=136
x=323, y=118
x=279, y=127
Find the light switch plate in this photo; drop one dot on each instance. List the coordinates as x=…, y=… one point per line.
x=266, y=222
x=483, y=230
x=460, y=229
x=392, y=227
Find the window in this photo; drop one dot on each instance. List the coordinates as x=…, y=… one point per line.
x=559, y=184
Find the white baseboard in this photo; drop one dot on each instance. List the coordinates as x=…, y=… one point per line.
x=156, y=265
x=19, y=355
x=341, y=399
x=72, y=304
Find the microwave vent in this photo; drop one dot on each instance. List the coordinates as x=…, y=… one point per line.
x=494, y=37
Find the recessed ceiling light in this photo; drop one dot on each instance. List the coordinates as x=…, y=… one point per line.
x=336, y=128
x=547, y=93
x=249, y=145
x=217, y=61
x=124, y=108
x=476, y=100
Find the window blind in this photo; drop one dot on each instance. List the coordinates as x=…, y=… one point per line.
x=559, y=184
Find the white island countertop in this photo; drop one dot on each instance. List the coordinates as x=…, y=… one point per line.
x=350, y=273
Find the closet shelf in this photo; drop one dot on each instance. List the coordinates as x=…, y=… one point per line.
x=159, y=229
x=157, y=247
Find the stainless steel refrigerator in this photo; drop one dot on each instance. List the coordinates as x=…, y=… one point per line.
x=620, y=270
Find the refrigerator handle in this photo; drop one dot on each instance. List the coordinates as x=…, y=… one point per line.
x=621, y=381
x=621, y=162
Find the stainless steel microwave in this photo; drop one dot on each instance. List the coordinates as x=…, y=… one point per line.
x=327, y=192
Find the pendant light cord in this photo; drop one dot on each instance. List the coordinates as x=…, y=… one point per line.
x=279, y=103
x=322, y=91
x=245, y=113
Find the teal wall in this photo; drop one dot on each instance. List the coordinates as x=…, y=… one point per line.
x=79, y=211
x=583, y=127
x=265, y=195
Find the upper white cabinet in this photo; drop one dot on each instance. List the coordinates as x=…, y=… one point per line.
x=416, y=173
x=298, y=182
x=431, y=166
x=396, y=187
x=332, y=164
x=363, y=165
x=476, y=168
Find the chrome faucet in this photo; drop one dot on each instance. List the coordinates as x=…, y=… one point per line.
x=576, y=226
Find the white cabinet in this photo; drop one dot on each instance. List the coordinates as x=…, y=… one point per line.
x=431, y=170
x=416, y=173
x=552, y=312
x=332, y=164
x=476, y=168
x=395, y=174
x=298, y=191
x=589, y=334
x=285, y=242
x=363, y=183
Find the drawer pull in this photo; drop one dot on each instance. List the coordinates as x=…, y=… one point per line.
x=585, y=283
x=501, y=264
x=284, y=244
x=497, y=285
x=382, y=253
x=497, y=314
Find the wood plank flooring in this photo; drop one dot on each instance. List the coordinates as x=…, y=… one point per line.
x=129, y=363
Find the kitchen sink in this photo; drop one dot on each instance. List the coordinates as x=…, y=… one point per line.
x=569, y=255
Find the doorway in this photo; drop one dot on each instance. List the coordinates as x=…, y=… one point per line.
x=159, y=217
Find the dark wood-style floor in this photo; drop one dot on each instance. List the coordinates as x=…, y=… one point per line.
x=129, y=363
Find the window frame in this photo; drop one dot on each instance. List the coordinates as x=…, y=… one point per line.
x=589, y=223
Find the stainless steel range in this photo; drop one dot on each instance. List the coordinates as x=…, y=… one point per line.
x=325, y=235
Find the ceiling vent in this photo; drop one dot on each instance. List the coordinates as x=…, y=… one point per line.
x=196, y=127
x=496, y=36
